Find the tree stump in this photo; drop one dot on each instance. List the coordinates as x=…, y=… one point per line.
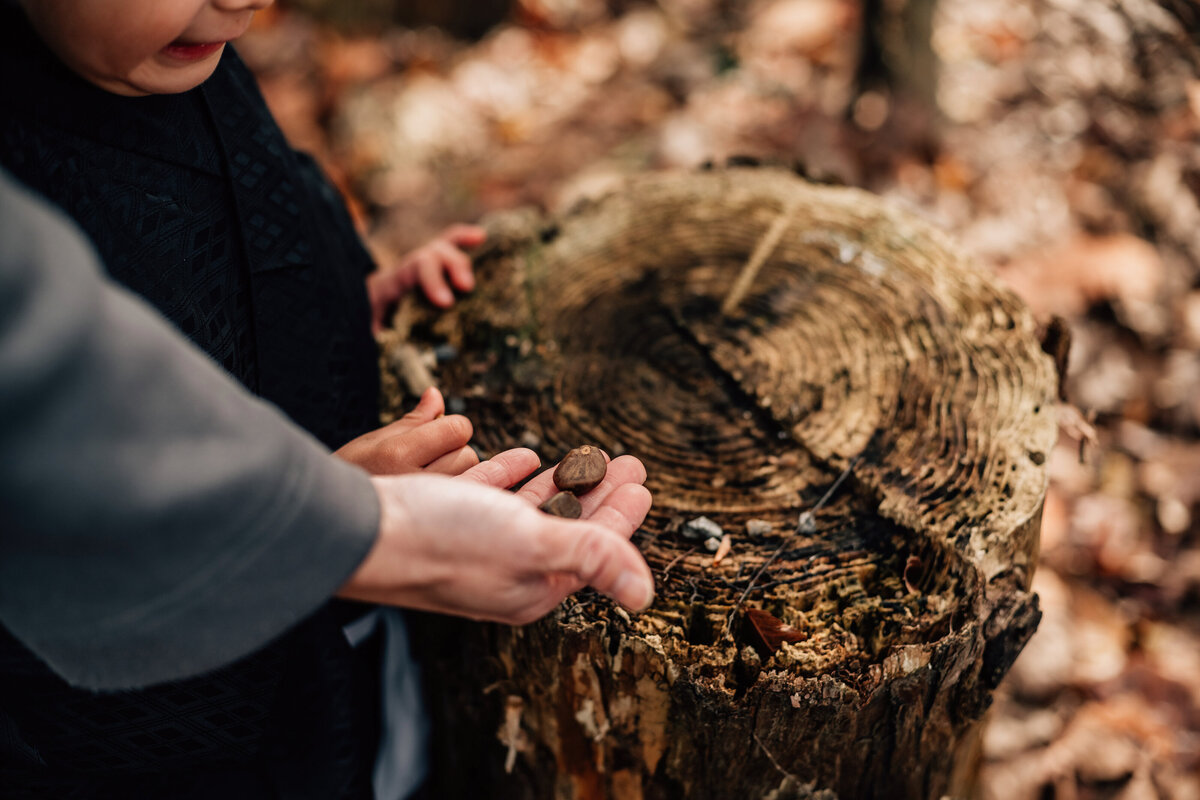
x=752, y=338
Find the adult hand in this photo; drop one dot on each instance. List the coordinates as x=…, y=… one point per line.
x=436, y=265
x=464, y=546
x=422, y=440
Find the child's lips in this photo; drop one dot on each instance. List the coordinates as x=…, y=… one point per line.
x=192, y=51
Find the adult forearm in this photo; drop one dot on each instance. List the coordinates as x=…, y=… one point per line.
x=156, y=521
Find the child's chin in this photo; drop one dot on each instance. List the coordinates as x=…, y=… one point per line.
x=172, y=77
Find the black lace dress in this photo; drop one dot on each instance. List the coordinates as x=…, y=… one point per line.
x=196, y=202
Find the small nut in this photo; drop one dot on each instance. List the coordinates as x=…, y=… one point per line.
x=581, y=470
x=563, y=504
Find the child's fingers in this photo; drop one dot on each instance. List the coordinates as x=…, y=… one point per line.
x=433, y=280
x=465, y=235
x=383, y=290
x=431, y=405
x=457, y=265
x=455, y=463
x=428, y=408
x=424, y=444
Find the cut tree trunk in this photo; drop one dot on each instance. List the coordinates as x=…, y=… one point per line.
x=751, y=338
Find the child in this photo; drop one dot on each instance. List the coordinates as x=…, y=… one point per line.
x=137, y=119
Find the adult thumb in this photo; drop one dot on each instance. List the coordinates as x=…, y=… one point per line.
x=604, y=560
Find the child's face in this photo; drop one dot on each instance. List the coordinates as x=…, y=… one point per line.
x=138, y=47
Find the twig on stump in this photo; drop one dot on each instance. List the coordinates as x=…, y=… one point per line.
x=676, y=560
x=766, y=245
x=802, y=526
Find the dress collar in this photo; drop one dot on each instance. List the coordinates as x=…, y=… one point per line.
x=34, y=82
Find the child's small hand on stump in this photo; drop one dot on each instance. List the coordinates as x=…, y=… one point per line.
x=436, y=266
x=423, y=440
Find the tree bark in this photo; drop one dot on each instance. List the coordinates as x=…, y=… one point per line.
x=896, y=50
x=862, y=346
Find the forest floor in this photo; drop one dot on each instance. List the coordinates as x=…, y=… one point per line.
x=1066, y=159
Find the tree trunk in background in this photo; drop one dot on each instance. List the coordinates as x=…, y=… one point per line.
x=896, y=55
x=751, y=338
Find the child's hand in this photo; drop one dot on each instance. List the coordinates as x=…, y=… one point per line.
x=429, y=265
x=423, y=440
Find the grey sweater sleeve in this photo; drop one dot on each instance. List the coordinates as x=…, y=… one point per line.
x=156, y=521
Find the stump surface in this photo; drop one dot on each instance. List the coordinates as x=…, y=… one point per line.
x=864, y=345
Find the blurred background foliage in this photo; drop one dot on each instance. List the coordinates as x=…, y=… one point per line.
x=469, y=19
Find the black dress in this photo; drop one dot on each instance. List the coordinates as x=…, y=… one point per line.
x=196, y=202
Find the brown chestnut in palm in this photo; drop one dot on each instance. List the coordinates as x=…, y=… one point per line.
x=581, y=470
x=563, y=504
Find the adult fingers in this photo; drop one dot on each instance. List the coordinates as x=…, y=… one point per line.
x=624, y=510
x=623, y=513
x=601, y=558
x=456, y=264
x=622, y=470
x=455, y=463
x=504, y=469
x=541, y=487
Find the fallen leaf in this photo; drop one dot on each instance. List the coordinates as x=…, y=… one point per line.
x=771, y=632
x=1086, y=270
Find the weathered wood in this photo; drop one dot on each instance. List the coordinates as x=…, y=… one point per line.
x=864, y=339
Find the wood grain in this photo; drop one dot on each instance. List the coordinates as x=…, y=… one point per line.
x=863, y=335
